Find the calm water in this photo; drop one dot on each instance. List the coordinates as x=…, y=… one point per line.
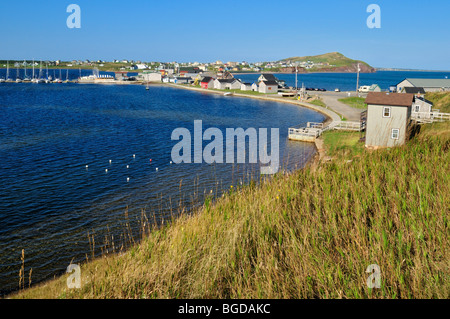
x=49, y=201
x=347, y=81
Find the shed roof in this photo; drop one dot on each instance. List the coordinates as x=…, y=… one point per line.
x=269, y=76
x=414, y=90
x=206, y=79
x=270, y=82
x=392, y=99
x=424, y=100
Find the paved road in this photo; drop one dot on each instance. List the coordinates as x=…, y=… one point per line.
x=331, y=100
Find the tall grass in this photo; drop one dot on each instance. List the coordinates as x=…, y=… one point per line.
x=309, y=234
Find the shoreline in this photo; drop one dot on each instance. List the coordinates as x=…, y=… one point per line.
x=329, y=114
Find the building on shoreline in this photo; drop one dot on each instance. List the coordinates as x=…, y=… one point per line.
x=207, y=83
x=268, y=87
x=429, y=85
x=388, y=119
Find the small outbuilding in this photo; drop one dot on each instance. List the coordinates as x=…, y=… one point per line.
x=207, y=83
x=268, y=87
x=388, y=118
x=246, y=86
x=422, y=105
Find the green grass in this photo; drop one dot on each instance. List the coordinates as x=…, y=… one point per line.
x=356, y=102
x=318, y=102
x=340, y=143
x=308, y=234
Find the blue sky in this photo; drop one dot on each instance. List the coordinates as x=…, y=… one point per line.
x=413, y=33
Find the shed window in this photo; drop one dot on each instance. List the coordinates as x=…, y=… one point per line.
x=417, y=108
x=395, y=133
x=386, y=112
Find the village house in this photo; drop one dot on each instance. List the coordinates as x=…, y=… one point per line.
x=234, y=84
x=422, y=105
x=227, y=84
x=246, y=86
x=268, y=87
x=388, y=119
x=151, y=76
x=267, y=77
x=220, y=84
x=255, y=87
x=429, y=85
x=207, y=83
x=182, y=80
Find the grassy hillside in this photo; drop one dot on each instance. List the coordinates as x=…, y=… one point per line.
x=335, y=58
x=441, y=101
x=310, y=234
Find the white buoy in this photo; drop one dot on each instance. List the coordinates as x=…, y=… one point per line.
x=134, y=155
x=170, y=162
x=128, y=179
x=87, y=166
x=157, y=168
x=110, y=161
x=106, y=170
x=128, y=166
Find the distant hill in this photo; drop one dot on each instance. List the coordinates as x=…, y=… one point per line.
x=331, y=62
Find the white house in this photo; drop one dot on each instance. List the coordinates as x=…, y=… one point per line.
x=142, y=66
x=227, y=84
x=255, y=87
x=268, y=87
x=246, y=87
x=234, y=84
x=220, y=84
x=151, y=76
x=267, y=77
x=421, y=105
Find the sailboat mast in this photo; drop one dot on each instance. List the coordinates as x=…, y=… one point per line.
x=7, y=70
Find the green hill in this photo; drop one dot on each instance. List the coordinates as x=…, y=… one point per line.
x=333, y=61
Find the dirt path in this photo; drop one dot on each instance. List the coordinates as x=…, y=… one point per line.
x=331, y=100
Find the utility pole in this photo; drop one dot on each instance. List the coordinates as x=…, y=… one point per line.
x=296, y=86
x=357, y=82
